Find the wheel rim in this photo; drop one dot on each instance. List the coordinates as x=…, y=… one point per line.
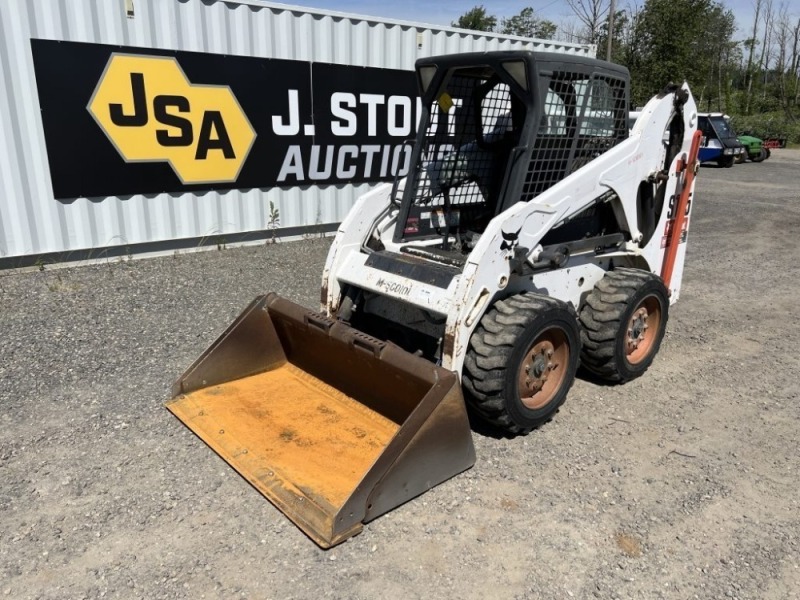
x=642, y=331
x=543, y=368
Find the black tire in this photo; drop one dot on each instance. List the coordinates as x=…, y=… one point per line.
x=618, y=343
x=510, y=377
x=725, y=161
x=762, y=156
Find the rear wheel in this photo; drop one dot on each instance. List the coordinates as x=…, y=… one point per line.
x=521, y=362
x=762, y=155
x=623, y=323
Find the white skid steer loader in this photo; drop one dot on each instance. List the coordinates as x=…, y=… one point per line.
x=533, y=233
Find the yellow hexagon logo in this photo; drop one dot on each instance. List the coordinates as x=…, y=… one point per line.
x=151, y=112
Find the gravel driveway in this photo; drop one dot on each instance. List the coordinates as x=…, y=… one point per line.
x=681, y=484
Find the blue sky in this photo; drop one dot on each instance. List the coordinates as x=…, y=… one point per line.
x=444, y=12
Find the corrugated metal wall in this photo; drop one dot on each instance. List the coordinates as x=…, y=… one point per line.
x=33, y=223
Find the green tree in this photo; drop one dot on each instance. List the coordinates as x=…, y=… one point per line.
x=622, y=26
x=526, y=24
x=476, y=19
x=724, y=56
x=678, y=40
x=756, y=80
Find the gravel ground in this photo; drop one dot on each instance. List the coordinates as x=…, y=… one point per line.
x=681, y=484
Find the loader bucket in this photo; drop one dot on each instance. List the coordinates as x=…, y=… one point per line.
x=334, y=427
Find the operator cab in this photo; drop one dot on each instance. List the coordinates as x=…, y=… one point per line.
x=500, y=128
x=497, y=128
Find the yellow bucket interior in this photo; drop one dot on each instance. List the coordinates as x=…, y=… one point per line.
x=313, y=435
x=333, y=427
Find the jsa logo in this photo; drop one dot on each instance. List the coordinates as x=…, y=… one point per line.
x=151, y=112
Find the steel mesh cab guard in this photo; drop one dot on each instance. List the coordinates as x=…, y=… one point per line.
x=505, y=129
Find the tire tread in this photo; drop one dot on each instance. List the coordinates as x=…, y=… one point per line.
x=490, y=350
x=601, y=319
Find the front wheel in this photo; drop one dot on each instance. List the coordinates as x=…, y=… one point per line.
x=725, y=161
x=521, y=362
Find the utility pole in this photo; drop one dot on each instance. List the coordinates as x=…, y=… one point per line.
x=610, y=30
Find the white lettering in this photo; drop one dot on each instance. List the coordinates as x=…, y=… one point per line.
x=385, y=160
x=341, y=173
x=293, y=126
x=372, y=101
x=292, y=164
x=369, y=152
x=344, y=163
x=314, y=170
x=404, y=103
x=406, y=151
x=338, y=100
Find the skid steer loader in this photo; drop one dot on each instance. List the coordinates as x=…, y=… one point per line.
x=533, y=233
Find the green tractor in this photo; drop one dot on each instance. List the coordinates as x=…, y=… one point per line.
x=754, y=149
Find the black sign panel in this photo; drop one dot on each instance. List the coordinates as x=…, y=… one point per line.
x=121, y=121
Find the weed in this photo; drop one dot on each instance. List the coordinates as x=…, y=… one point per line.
x=60, y=284
x=274, y=221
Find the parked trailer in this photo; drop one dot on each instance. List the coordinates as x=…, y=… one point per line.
x=775, y=142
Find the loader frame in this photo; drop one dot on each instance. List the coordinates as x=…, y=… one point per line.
x=635, y=176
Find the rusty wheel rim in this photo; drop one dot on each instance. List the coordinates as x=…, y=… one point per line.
x=642, y=330
x=543, y=369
